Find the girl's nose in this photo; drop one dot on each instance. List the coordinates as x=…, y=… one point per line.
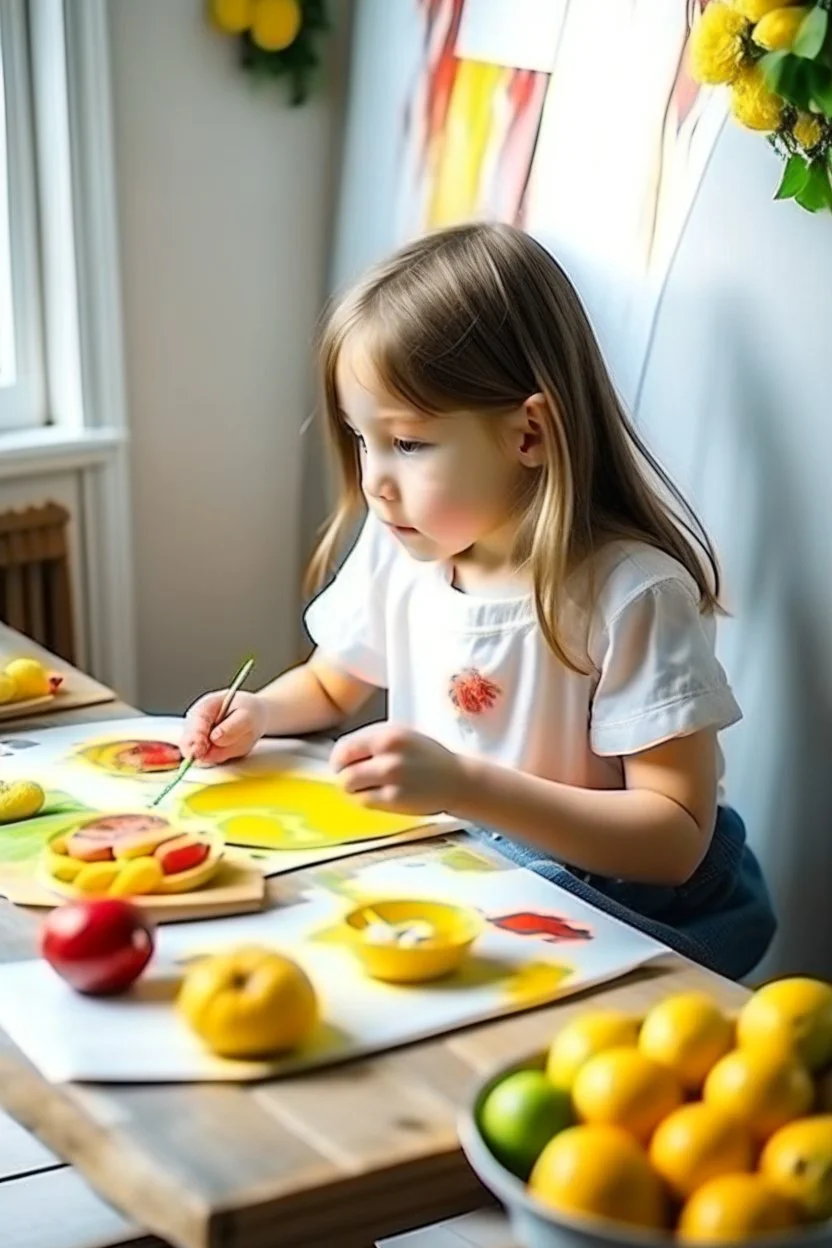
x=377, y=479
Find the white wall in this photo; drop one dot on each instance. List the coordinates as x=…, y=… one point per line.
x=736, y=401
x=224, y=200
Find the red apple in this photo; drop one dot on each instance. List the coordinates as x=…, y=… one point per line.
x=98, y=946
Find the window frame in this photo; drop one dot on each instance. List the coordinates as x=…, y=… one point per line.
x=22, y=403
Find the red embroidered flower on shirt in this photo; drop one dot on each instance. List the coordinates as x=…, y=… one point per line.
x=471, y=692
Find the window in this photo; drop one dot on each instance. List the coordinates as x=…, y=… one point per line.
x=22, y=389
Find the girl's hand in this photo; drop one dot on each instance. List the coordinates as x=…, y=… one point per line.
x=390, y=768
x=238, y=733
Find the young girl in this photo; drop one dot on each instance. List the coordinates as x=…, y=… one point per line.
x=531, y=591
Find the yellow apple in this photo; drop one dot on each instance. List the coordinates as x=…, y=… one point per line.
x=252, y=1002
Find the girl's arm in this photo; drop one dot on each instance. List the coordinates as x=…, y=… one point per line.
x=656, y=830
x=312, y=697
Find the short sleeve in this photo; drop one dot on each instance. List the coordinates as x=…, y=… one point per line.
x=659, y=674
x=347, y=620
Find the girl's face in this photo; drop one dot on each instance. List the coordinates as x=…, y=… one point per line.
x=446, y=486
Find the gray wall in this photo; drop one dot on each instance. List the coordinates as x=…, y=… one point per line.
x=735, y=400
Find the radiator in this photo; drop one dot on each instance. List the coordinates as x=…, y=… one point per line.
x=35, y=591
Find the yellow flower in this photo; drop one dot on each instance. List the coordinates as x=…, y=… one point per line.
x=717, y=49
x=232, y=16
x=753, y=103
x=807, y=130
x=777, y=31
x=276, y=24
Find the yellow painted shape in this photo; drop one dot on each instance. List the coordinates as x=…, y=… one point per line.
x=290, y=811
x=470, y=127
x=536, y=981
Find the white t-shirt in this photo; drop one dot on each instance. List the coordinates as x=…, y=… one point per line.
x=476, y=674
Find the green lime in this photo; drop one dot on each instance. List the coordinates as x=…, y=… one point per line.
x=519, y=1117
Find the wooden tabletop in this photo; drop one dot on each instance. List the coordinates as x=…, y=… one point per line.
x=337, y=1157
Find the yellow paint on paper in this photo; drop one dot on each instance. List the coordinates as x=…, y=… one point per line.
x=537, y=981
x=464, y=144
x=290, y=811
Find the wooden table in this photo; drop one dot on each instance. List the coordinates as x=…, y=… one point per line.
x=339, y=1158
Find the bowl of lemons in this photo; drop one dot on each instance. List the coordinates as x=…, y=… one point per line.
x=685, y=1126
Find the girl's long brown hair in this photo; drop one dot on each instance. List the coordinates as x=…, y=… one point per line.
x=480, y=317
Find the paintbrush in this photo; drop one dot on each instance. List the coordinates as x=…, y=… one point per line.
x=187, y=763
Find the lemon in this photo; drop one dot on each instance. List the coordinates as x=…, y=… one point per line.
x=797, y=1160
x=600, y=1171
x=777, y=30
x=275, y=24
x=791, y=1015
x=520, y=1115
x=585, y=1036
x=734, y=1207
x=626, y=1089
x=763, y=1089
x=8, y=689
x=699, y=1142
x=689, y=1033
x=31, y=680
x=19, y=799
x=232, y=16
x=756, y=9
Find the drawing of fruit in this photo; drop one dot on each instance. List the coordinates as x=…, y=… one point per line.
x=134, y=758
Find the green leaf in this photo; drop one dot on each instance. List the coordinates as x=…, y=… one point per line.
x=771, y=66
x=820, y=87
x=795, y=176
x=812, y=33
x=817, y=193
x=788, y=76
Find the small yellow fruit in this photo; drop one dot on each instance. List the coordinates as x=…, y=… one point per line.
x=96, y=877
x=689, y=1033
x=777, y=31
x=697, y=1143
x=31, y=678
x=275, y=24
x=600, y=1171
x=798, y=1162
x=19, y=799
x=585, y=1036
x=734, y=1207
x=754, y=10
x=137, y=876
x=717, y=46
x=764, y=1090
x=791, y=1016
x=250, y=1003
x=623, y=1088
x=232, y=16
x=8, y=689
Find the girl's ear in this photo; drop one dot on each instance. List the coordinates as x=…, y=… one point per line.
x=528, y=428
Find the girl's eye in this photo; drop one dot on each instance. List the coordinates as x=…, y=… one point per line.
x=410, y=448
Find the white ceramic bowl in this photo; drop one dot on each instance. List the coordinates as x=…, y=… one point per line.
x=536, y=1226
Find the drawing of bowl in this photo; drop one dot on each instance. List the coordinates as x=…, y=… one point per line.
x=129, y=854
x=454, y=928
